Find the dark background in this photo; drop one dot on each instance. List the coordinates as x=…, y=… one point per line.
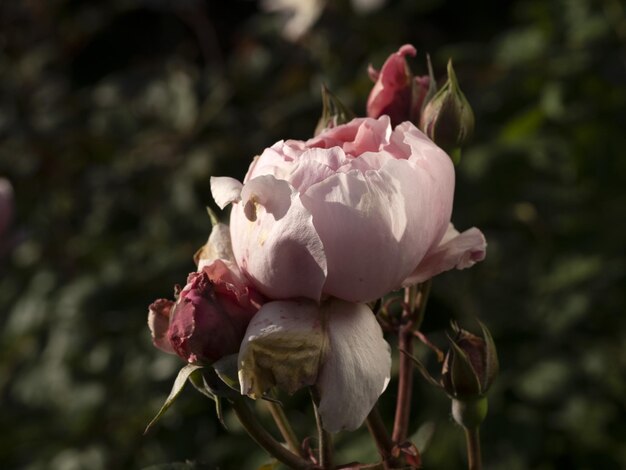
x=113, y=116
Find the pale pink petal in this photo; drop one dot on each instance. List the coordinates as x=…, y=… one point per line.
x=356, y=370
x=225, y=190
x=273, y=195
x=282, y=346
x=376, y=226
x=280, y=251
x=456, y=250
x=158, y=322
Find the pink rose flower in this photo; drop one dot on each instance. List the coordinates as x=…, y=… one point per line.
x=396, y=92
x=349, y=213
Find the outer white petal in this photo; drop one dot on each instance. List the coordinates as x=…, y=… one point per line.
x=456, y=250
x=275, y=242
x=356, y=369
x=225, y=190
x=282, y=346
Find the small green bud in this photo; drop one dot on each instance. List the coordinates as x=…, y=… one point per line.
x=470, y=366
x=334, y=112
x=448, y=118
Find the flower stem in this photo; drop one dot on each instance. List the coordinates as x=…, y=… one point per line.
x=415, y=298
x=284, y=427
x=379, y=433
x=265, y=440
x=324, y=437
x=472, y=441
x=405, y=385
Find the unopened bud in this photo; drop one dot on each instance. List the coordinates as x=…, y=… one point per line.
x=334, y=112
x=470, y=366
x=448, y=118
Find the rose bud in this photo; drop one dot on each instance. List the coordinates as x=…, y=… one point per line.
x=334, y=112
x=448, y=118
x=209, y=318
x=469, y=369
x=396, y=92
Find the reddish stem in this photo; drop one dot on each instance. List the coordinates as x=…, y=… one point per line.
x=405, y=385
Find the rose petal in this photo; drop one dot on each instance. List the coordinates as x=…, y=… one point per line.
x=225, y=190
x=282, y=346
x=377, y=225
x=158, y=322
x=356, y=137
x=267, y=191
x=456, y=250
x=284, y=257
x=357, y=369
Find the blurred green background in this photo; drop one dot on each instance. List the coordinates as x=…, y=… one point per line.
x=113, y=116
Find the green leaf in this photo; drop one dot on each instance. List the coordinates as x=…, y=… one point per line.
x=179, y=383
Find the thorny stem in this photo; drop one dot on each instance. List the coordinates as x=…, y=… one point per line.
x=472, y=441
x=415, y=298
x=324, y=438
x=284, y=427
x=265, y=440
x=380, y=435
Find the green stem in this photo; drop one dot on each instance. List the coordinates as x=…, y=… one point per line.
x=284, y=427
x=380, y=435
x=265, y=439
x=472, y=441
x=324, y=437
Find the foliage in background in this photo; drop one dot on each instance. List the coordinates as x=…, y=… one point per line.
x=113, y=116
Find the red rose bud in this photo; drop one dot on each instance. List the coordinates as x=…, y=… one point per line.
x=448, y=118
x=209, y=319
x=397, y=93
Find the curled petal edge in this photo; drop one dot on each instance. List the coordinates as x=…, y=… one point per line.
x=225, y=190
x=456, y=250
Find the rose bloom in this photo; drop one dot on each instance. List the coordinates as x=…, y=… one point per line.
x=350, y=213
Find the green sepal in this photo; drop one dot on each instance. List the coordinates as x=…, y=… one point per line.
x=463, y=377
x=334, y=112
x=179, y=383
x=492, y=366
x=226, y=370
x=213, y=216
x=422, y=370
x=455, y=155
